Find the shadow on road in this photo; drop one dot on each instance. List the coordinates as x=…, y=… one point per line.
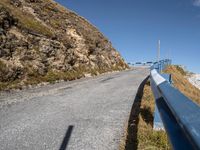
x=131, y=140
x=107, y=79
x=66, y=138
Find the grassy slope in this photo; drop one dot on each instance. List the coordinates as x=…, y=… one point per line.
x=180, y=82
x=147, y=138
x=141, y=135
x=140, y=130
x=52, y=77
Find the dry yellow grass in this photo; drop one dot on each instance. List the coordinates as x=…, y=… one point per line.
x=140, y=133
x=52, y=76
x=147, y=137
x=181, y=82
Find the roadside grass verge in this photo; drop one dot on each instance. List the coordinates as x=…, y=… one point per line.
x=52, y=76
x=140, y=133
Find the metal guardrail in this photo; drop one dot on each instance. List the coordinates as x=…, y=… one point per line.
x=180, y=115
x=148, y=63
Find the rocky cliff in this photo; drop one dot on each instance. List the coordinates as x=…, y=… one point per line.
x=41, y=41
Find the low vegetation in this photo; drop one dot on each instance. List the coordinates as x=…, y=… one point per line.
x=25, y=20
x=33, y=78
x=181, y=82
x=140, y=133
x=147, y=138
x=3, y=70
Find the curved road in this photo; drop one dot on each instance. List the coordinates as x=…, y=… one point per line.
x=87, y=114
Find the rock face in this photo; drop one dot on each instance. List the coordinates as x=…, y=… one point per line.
x=42, y=41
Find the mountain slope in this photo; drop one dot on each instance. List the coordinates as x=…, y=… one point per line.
x=181, y=82
x=41, y=41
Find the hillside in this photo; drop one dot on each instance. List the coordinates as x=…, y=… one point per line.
x=181, y=82
x=41, y=41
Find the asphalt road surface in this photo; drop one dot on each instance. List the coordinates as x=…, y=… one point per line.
x=86, y=114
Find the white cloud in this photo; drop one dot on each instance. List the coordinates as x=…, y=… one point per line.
x=196, y=2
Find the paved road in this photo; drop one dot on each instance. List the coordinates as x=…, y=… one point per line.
x=87, y=114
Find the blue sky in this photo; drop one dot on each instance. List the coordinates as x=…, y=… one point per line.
x=134, y=27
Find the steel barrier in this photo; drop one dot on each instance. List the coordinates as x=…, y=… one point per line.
x=180, y=115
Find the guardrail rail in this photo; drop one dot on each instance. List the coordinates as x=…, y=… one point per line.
x=180, y=115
